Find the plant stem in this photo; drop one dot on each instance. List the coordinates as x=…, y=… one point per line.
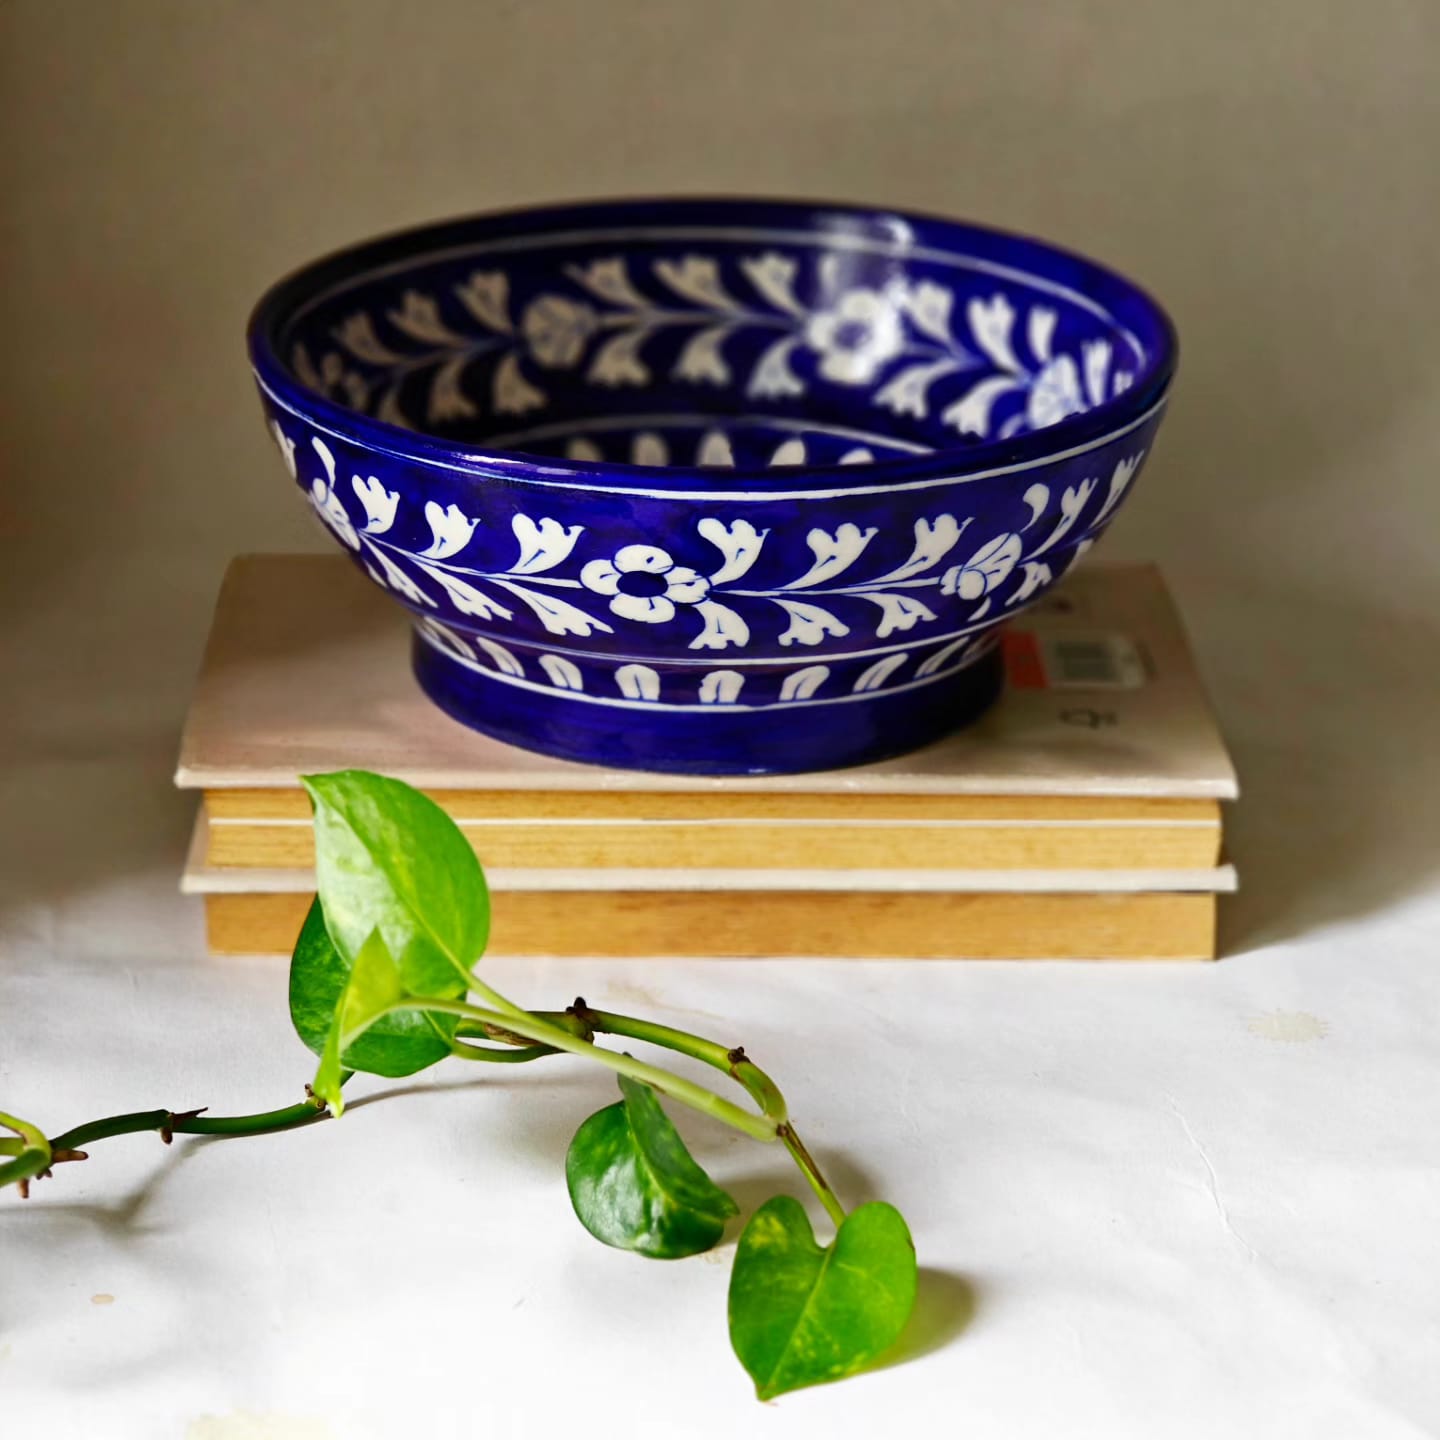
x=734, y=1062
x=531, y=1027
x=494, y=1055
x=191, y=1123
x=581, y=1019
x=811, y=1171
x=33, y=1158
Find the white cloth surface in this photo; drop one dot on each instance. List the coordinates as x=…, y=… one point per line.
x=1182, y=1200
x=1152, y=1202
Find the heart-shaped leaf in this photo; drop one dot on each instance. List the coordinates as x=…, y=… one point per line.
x=801, y=1314
x=398, y=1044
x=389, y=859
x=634, y=1185
x=372, y=987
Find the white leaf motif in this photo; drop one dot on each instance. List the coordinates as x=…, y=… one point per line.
x=357, y=334
x=287, y=448
x=940, y=657
x=617, y=362
x=638, y=682
x=1120, y=478
x=649, y=449
x=329, y=508
x=327, y=503
x=929, y=306
x=1040, y=331
x=304, y=368
x=581, y=448
x=380, y=504
x=880, y=672
x=834, y=553
x=398, y=580
x=464, y=596
x=723, y=627
x=985, y=569
x=389, y=409
x=789, y=452
x=970, y=414
x=450, y=530
x=774, y=277
x=447, y=400
x=559, y=617
x=773, y=378
x=897, y=611
x=1037, y=573
x=697, y=278
x=1037, y=497
x=859, y=456
x=909, y=392
x=1072, y=501
x=721, y=687
x=990, y=323
x=419, y=317
x=441, y=636
x=486, y=295
x=809, y=624
x=543, y=545
x=512, y=393
x=610, y=281
x=701, y=361
x=715, y=450
x=739, y=542
x=504, y=659
x=802, y=684
x=1096, y=357
x=934, y=540
x=1055, y=394
x=564, y=674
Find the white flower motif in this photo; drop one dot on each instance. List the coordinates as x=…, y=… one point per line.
x=556, y=329
x=644, y=583
x=450, y=530
x=486, y=295
x=1037, y=573
x=985, y=569
x=380, y=504
x=857, y=337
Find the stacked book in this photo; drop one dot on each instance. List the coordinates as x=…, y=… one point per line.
x=1081, y=818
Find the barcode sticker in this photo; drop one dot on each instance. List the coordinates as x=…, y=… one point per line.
x=1041, y=661
x=1091, y=662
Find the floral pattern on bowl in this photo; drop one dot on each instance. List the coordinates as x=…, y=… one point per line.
x=703, y=463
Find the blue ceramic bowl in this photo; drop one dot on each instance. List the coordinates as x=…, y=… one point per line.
x=708, y=485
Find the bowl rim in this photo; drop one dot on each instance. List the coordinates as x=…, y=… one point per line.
x=960, y=463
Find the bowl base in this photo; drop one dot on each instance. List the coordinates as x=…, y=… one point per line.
x=719, y=740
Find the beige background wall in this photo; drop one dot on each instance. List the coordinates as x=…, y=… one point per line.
x=1271, y=170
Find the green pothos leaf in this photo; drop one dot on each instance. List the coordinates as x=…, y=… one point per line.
x=387, y=858
x=398, y=1044
x=802, y=1314
x=373, y=986
x=634, y=1185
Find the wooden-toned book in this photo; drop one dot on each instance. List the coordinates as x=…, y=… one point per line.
x=1153, y=925
x=1082, y=816
x=526, y=830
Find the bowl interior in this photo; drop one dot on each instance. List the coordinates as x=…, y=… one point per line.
x=717, y=334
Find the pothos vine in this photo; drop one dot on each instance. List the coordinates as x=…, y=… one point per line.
x=382, y=980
